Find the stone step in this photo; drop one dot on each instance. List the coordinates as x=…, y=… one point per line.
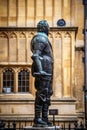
x=42, y=128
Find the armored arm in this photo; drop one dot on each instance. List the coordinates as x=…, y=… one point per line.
x=37, y=61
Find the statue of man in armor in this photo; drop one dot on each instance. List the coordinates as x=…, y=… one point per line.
x=42, y=70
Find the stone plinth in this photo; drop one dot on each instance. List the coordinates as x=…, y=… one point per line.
x=42, y=128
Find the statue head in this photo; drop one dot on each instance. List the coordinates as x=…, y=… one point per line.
x=43, y=26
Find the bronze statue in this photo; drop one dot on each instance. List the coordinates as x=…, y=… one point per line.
x=42, y=70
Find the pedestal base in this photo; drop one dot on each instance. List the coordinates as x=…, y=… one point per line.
x=42, y=128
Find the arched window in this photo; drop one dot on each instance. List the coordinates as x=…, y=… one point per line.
x=23, y=81
x=8, y=81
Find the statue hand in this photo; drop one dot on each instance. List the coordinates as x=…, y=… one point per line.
x=45, y=73
x=42, y=73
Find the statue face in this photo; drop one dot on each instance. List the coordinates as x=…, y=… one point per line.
x=43, y=26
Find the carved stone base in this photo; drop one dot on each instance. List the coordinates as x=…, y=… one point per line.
x=42, y=128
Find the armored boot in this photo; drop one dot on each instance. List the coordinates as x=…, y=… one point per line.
x=45, y=114
x=38, y=122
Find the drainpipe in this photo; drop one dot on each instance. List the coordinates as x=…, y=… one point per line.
x=85, y=42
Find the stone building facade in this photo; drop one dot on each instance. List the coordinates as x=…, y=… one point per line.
x=18, y=21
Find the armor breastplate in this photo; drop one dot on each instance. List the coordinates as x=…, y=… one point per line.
x=42, y=43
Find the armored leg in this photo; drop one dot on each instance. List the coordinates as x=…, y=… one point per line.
x=45, y=114
x=38, y=122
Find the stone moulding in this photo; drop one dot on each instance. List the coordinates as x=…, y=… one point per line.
x=34, y=29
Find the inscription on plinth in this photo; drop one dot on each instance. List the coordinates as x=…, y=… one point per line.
x=42, y=128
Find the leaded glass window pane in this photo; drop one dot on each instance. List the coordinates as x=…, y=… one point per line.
x=23, y=81
x=8, y=81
